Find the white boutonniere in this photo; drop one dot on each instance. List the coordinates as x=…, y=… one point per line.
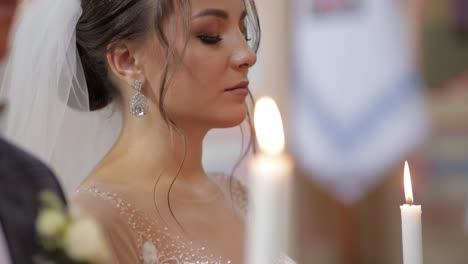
x=67, y=238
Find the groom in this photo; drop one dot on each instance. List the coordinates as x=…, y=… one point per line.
x=22, y=177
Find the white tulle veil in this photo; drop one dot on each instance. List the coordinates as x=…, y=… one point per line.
x=46, y=94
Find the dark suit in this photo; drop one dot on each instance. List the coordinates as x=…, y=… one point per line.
x=22, y=177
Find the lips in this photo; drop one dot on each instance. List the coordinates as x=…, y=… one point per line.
x=240, y=90
x=243, y=85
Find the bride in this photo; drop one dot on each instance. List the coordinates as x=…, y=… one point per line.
x=172, y=70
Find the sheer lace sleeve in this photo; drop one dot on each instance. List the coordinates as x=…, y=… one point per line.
x=235, y=189
x=137, y=236
x=119, y=236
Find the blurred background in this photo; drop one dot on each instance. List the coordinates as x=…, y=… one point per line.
x=334, y=66
x=336, y=221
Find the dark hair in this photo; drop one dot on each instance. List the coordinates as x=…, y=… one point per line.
x=105, y=22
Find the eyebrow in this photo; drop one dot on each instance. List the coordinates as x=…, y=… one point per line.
x=212, y=12
x=217, y=13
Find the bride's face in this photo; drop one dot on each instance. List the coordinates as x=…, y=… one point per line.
x=210, y=86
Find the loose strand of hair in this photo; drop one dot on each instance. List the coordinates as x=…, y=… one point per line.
x=158, y=212
x=175, y=178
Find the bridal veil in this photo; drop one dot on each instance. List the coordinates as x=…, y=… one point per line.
x=45, y=90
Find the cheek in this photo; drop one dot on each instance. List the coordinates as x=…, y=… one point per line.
x=206, y=69
x=154, y=69
x=198, y=81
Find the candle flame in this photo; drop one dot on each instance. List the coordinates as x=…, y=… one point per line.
x=268, y=126
x=407, y=184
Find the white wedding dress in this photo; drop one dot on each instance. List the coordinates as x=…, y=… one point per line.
x=139, y=236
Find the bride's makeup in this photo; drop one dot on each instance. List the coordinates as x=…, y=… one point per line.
x=208, y=26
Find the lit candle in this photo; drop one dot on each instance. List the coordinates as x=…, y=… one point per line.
x=411, y=225
x=269, y=183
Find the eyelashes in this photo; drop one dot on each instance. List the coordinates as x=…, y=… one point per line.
x=213, y=40
x=209, y=33
x=210, y=40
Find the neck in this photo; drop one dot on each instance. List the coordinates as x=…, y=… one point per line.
x=156, y=147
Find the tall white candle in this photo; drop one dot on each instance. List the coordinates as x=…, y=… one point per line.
x=411, y=225
x=269, y=184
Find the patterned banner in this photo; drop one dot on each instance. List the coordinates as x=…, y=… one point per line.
x=357, y=105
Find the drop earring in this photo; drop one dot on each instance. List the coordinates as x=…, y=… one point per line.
x=138, y=104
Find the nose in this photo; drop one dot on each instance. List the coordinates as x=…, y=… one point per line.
x=243, y=57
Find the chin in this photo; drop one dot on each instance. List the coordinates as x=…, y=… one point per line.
x=229, y=119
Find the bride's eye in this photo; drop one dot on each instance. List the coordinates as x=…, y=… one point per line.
x=210, y=40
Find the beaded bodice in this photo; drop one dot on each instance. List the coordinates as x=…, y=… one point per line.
x=149, y=239
x=154, y=242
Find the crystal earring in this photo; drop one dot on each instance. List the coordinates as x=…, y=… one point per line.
x=138, y=104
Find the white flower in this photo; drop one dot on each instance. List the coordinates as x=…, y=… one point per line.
x=75, y=211
x=85, y=242
x=50, y=223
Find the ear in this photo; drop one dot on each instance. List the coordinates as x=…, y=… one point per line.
x=124, y=61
